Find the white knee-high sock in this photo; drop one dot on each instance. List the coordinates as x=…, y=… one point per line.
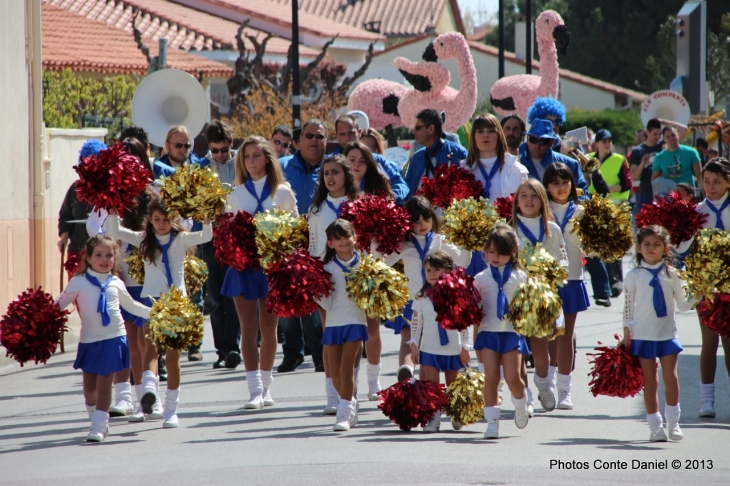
x=564, y=382
x=90, y=409
x=330, y=388
x=491, y=413
x=139, y=391
x=671, y=413
x=551, y=373
x=172, y=398
x=255, y=386
x=654, y=420
x=266, y=379
x=373, y=372
x=707, y=392
x=123, y=391
x=99, y=419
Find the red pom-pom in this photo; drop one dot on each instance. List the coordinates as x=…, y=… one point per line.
x=716, y=316
x=31, y=329
x=73, y=262
x=677, y=215
x=504, y=206
x=450, y=182
x=379, y=218
x=456, y=300
x=234, y=241
x=615, y=372
x=294, y=282
x=410, y=404
x=112, y=179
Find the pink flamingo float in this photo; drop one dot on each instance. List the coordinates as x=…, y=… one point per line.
x=515, y=94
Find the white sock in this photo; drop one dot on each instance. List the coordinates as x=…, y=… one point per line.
x=344, y=409
x=255, y=387
x=172, y=398
x=330, y=388
x=541, y=383
x=373, y=372
x=149, y=381
x=564, y=382
x=491, y=413
x=528, y=394
x=481, y=367
x=551, y=373
x=266, y=378
x=519, y=402
x=654, y=420
x=139, y=391
x=707, y=392
x=99, y=418
x=671, y=413
x=90, y=409
x=123, y=391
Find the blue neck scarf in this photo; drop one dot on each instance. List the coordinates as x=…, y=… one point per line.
x=265, y=193
x=362, y=184
x=443, y=335
x=502, y=302
x=422, y=252
x=488, y=177
x=166, y=258
x=337, y=210
x=568, y=214
x=660, y=305
x=103, y=306
x=348, y=268
x=718, y=212
x=529, y=234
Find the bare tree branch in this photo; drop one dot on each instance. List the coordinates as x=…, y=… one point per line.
x=345, y=85
x=312, y=65
x=138, y=37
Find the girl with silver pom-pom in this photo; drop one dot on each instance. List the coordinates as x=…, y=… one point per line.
x=435, y=348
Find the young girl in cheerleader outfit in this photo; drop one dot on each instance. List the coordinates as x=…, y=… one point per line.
x=103, y=350
x=260, y=185
x=651, y=290
x=346, y=324
x=368, y=177
x=532, y=219
x=163, y=245
x=716, y=184
x=558, y=180
x=497, y=342
x=435, y=348
x=423, y=239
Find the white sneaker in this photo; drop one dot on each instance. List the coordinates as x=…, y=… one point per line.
x=707, y=409
x=121, y=408
x=492, y=431
x=97, y=434
x=564, y=401
x=268, y=401
x=658, y=435
x=137, y=415
x=530, y=410
x=675, y=433
x=521, y=417
x=353, y=414
x=171, y=421
x=456, y=425
x=255, y=403
x=405, y=372
x=373, y=389
x=342, y=425
x=433, y=425
x=157, y=411
x=547, y=399
x=331, y=407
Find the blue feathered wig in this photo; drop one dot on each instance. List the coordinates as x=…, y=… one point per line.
x=543, y=107
x=91, y=147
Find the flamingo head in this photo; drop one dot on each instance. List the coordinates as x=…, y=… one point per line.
x=549, y=28
x=445, y=46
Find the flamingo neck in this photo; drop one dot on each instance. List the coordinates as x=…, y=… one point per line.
x=548, y=68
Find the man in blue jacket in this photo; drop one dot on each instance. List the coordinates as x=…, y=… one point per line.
x=348, y=131
x=301, y=171
x=436, y=150
x=178, y=150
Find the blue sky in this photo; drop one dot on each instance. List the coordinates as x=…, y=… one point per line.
x=490, y=6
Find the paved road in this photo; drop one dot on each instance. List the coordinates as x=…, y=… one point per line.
x=43, y=425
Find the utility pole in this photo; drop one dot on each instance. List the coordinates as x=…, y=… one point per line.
x=296, y=92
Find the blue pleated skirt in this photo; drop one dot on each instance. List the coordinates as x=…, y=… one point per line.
x=440, y=362
x=477, y=264
x=339, y=334
x=502, y=342
x=249, y=283
x=401, y=321
x=654, y=349
x=136, y=292
x=574, y=296
x=103, y=357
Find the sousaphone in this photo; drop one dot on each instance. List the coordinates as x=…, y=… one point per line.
x=665, y=104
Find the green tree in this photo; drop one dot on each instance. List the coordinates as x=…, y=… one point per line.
x=621, y=123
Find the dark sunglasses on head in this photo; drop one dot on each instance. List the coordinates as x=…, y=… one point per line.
x=286, y=144
x=223, y=150
x=181, y=145
x=310, y=136
x=541, y=141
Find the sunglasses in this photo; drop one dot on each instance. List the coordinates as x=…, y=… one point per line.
x=286, y=144
x=418, y=127
x=223, y=150
x=178, y=146
x=310, y=136
x=540, y=141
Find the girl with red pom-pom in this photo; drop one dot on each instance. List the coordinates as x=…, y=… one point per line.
x=497, y=342
x=423, y=239
x=345, y=324
x=563, y=195
x=103, y=351
x=260, y=185
x=368, y=177
x=435, y=348
x=653, y=292
x=163, y=245
x=533, y=220
x=716, y=184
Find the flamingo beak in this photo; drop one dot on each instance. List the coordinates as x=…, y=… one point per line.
x=429, y=55
x=562, y=39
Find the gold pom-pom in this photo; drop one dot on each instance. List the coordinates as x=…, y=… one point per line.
x=708, y=264
x=194, y=192
x=278, y=232
x=378, y=289
x=466, y=397
x=175, y=322
x=196, y=273
x=467, y=223
x=604, y=228
x=135, y=264
x=538, y=262
x=534, y=308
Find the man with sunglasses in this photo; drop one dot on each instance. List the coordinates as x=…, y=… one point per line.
x=280, y=140
x=178, y=149
x=221, y=156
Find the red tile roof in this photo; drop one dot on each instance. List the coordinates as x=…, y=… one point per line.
x=184, y=28
x=396, y=17
x=73, y=41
